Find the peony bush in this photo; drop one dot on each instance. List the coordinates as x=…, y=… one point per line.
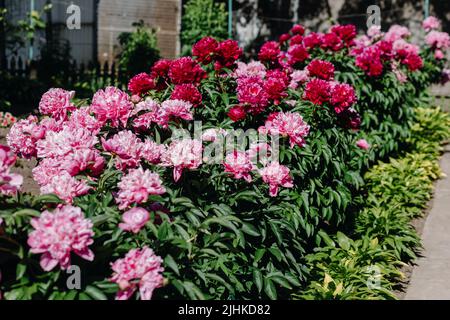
x=213, y=177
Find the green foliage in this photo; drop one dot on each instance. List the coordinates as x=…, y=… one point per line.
x=139, y=49
x=202, y=18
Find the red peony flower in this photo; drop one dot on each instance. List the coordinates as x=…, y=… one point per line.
x=269, y=51
x=298, y=29
x=370, y=61
x=161, y=68
x=228, y=52
x=141, y=83
x=251, y=92
x=186, y=70
x=321, y=69
x=205, y=49
x=317, y=91
x=187, y=92
x=297, y=53
x=237, y=113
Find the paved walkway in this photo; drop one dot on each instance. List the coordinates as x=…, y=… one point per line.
x=431, y=277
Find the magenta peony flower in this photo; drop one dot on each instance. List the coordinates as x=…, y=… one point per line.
x=317, y=91
x=56, y=103
x=23, y=136
x=112, y=104
x=187, y=92
x=137, y=185
x=346, y=33
x=126, y=146
x=141, y=84
x=431, y=23
x=298, y=29
x=239, y=165
x=237, y=113
x=182, y=154
x=321, y=69
x=186, y=70
x=59, y=233
x=363, y=144
x=342, y=97
x=10, y=183
x=276, y=175
x=331, y=41
x=138, y=269
x=134, y=220
x=296, y=54
x=269, y=51
x=369, y=60
x=287, y=124
x=276, y=84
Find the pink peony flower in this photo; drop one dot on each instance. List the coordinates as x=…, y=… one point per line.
x=374, y=31
x=152, y=152
x=431, y=23
x=112, y=104
x=126, y=146
x=173, y=109
x=82, y=118
x=250, y=91
x=239, y=165
x=69, y=139
x=298, y=77
x=134, y=220
x=137, y=185
x=287, y=124
x=438, y=40
x=251, y=69
x=65, y=186
x=396, y=32
x=438, y=54
x=56, y=103
x=59, y=233
x=138, y=269
x=259, y=153
x=23, y=136
x=276, y=175
x=10, y=183
x=182, y=154
x=363, y=144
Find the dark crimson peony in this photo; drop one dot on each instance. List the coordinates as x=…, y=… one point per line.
x=321, y=69
x=161, y=68
x=187, y=92
x=342, y=97
x=349, y=119
x=205, y=49
x=284, y=37
x=228, y=52
x=298, y=29
x=186, y=70
x=141, y=84
x=237, y=113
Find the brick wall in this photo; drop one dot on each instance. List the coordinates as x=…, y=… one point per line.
x=116, y=16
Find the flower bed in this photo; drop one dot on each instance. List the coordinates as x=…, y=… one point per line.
x=146, y=209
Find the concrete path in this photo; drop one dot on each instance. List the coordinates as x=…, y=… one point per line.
x=431, y=277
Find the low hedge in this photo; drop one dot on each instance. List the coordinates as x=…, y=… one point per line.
x=367, y=265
